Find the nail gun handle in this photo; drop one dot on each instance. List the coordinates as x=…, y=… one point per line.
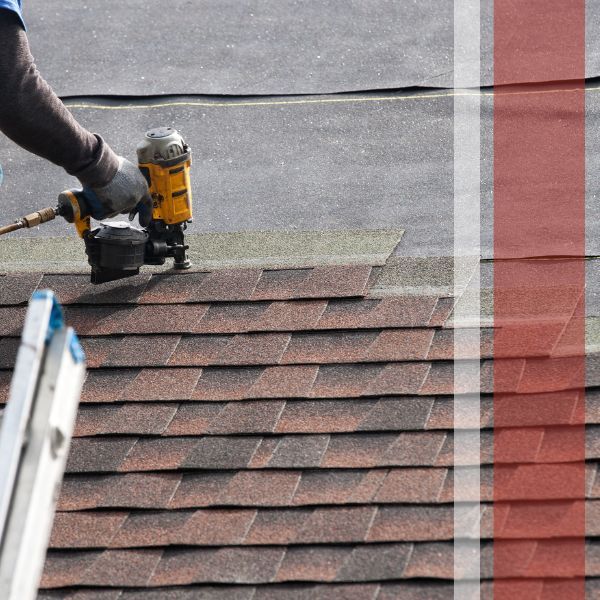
x=72, y=205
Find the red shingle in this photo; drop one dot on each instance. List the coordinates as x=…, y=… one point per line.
x=254, y=416
x=413, y=486
x=17, y=288
x=280, y=284
x=277, y=526
x=244, y=488
x=100, y=320
x=161, y=384
x=170, y=288
x=157, y=454
x=318, y=348
x=526, y=410
x=406, y=311
x=11, y=319
x=195, y=418
x=552, y=519
x=65, y=569
x=5, y=379
x=224, y=565
x=261, y=316
x=199, y=351
x=435, y=560
x=322, y=416
x=226, y=384
x=98, y=454
x=284, y=382
x=297, y=315
x=247, y=565
x=129, y=490
x=335, y=282
x=142, y=418
x=399, y=378
x=110, y=567
x=358, y=346
x=338, y=487
x=552, y=374
x=501, y=376
x=318, y=282
x=400, y=345
x=398, y=413
x=313, y=563
x=532, y=482
x=326, y=525
x=108, y=386
x=439, y=380
x=82, y=594
x=86, y=529
x=77, y=289
x=545, y=558
x=213, y=527
x=240, y=349
x=129, y=351
x=527, y=339
x=339, y=381
x=376, y=562
x=441, y=312
x=8, y=352
x=162, y=318
x=231, y=317
x=328, y=591
x=412, y=523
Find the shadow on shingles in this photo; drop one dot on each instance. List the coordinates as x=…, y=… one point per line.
x=119, y=292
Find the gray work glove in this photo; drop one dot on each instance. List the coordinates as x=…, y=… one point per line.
x=126, y=193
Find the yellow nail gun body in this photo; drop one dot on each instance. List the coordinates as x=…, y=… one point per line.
x=165, y=160
x=115, y=250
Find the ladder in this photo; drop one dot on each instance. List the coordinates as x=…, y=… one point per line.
x=35, y=436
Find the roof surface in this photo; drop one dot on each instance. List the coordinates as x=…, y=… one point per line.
x=260, y=434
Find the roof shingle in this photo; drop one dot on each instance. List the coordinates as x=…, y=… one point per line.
x=254, y=435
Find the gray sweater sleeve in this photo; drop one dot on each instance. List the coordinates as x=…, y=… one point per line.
x=34, y=117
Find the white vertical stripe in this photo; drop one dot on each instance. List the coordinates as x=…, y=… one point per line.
x=467, y=223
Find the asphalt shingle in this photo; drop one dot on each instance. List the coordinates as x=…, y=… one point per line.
x=254, y=435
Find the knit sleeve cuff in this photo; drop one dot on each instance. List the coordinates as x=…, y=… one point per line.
x=102, y=169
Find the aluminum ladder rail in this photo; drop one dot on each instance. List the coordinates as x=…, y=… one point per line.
x=35, y=436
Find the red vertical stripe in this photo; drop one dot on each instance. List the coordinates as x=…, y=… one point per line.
x=539, y=211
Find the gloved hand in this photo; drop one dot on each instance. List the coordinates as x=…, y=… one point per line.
x=126, y=193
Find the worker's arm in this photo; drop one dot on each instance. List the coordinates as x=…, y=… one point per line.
x=35, y=118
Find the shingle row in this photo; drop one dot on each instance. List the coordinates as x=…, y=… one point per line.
x=244, y=317
x=281, y=488
x=532, y=589
x=327, y=451
x=321, y=525
x=532, y=376
x=406, y=590
x=224, y=285
x=364, y=562
x=405, y=413
x=279, y=348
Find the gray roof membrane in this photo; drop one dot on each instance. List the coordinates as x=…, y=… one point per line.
x=356, y=161
x=255, y=47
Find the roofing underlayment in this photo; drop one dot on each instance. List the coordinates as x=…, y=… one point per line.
x=249, y=433
x=267, y=47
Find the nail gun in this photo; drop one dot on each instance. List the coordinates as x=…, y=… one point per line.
x=117, y=250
